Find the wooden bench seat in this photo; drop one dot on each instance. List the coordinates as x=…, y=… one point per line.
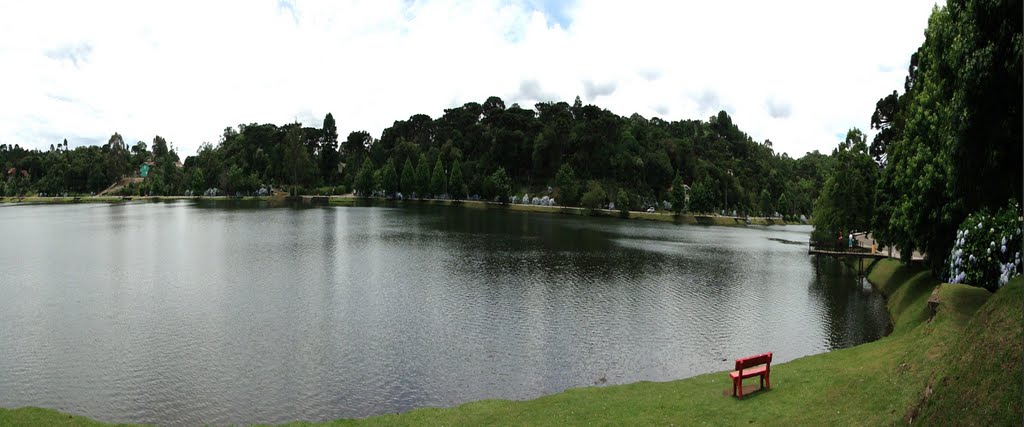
x=748, y=367
x=748, y=373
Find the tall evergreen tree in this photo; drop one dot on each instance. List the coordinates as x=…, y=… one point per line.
x=678, y=195
x=407, y=184
x=364, y=184
x=437, y=180
x=422, y=176
x=456, y=184
x=389, y=178
x=329, y=156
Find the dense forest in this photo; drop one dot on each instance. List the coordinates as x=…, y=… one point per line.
x=578, y=154
x=948, y=149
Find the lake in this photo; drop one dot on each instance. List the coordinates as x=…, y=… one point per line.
x=191, y=313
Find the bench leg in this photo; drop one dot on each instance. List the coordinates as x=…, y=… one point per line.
x=768, y=379
x=762, y=380
x=739, y=386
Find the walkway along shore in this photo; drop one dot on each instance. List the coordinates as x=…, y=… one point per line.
x=686, y=218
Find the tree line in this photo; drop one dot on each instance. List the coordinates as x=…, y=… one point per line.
x=486, y=150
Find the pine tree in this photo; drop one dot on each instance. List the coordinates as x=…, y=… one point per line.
x=389, y=178
x=678, y=195
x=407, y=185
x=422, y=176
x=437, y=181
x=456, y=183
x=364, y=179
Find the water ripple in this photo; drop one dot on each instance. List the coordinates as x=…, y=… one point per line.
x=182, y=314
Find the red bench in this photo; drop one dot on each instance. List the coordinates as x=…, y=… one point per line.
x=753, y=366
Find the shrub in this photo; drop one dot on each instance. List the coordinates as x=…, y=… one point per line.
x=594, y=197
x=987, y=249
x=622, y=202
x=568, y=188
x=498, y=185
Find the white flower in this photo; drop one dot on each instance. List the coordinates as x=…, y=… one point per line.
x=1004, y=248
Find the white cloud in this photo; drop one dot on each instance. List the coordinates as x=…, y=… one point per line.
x=796, y=73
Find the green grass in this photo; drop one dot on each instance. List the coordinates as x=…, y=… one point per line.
x=982, y=380
x=42, y=417
x=963, y=366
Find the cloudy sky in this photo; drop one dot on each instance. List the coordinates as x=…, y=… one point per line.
x=798, y=73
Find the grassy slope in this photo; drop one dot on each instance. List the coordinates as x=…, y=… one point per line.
x=883, y=382
x=982, y=383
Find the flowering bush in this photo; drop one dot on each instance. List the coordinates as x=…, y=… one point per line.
x=987, y=250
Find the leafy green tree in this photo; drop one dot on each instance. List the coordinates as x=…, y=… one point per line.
x=160, y=149
x=377, y=181
x=783, y=205
x=364, y=184
x=236, y=180
x=422, y=176
x=408, y=181
x=594, y=197
x=955, y=146
x=355, y=149
x=568, y=186
x=678, y=195
x=457, y=185
x=622, y=202
x=116, y=158
x=154, y=185
x=389, y=178
x=198, y=182
x=498, y=185
x=437, y=180
x=765, y=203
x=846, y=202
x=701, y=197
x=297, y=161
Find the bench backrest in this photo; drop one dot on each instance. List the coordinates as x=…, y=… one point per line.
x=750, y=362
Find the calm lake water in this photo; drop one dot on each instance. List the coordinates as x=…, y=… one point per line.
x=184, y=314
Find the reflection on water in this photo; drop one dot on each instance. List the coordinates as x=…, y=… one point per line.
x=186, y=313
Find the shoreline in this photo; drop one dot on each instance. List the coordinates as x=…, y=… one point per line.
x=350, y=201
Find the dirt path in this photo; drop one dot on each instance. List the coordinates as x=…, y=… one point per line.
x=123, y=182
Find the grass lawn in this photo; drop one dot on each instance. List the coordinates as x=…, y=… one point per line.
x=963, y=366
